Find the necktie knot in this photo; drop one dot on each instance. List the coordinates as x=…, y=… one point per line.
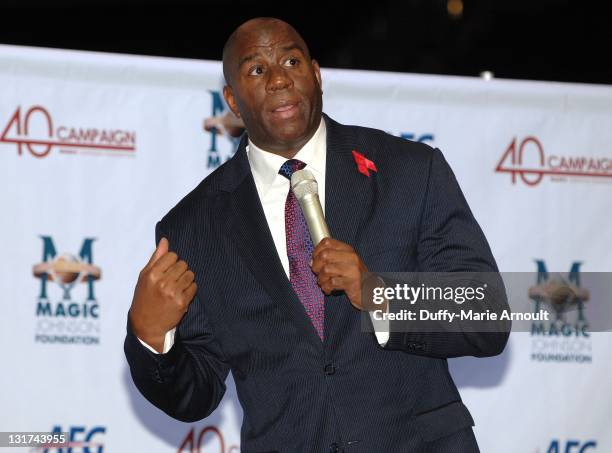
x=291, y=166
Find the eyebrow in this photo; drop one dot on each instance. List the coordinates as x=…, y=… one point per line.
x=252, y=56
x=247, y=58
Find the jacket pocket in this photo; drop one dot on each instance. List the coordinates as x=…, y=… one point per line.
x=442, y=421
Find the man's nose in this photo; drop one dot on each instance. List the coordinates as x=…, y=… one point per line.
x=278, y=79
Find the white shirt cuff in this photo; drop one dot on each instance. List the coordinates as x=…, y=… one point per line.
x=168, y=342
x=381, y=335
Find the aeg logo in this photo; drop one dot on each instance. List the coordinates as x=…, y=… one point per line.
x=34, y=131
x=532, y=170
x=81, y=439
x=571, y=446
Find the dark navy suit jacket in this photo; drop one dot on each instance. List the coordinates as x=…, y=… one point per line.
x=300, y=394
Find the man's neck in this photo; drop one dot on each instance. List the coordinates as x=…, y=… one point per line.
x=289, y=150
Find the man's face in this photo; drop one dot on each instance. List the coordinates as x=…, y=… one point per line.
x=274, y=87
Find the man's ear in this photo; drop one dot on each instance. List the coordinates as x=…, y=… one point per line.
x=228, y=94
x=317, y=72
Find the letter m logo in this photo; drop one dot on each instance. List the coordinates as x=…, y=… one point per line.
x=49, y=255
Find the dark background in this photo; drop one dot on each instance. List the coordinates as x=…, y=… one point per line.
x=521, y=39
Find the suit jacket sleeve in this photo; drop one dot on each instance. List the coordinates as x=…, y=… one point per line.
x=450, y=240
x=188, y=381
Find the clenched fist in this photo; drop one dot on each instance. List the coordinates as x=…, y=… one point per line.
x=338, y=267
x=164, y=290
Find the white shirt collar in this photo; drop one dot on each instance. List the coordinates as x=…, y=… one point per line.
x=265, y=164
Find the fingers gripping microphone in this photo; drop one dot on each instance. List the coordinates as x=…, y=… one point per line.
x=306, y=190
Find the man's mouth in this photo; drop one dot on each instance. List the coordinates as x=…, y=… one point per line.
x=286, y=111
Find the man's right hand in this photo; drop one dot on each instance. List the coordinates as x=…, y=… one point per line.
x=164, y=290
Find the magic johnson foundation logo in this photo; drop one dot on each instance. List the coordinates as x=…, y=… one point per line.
x=526, y=162
x=67, y=310
x=224, y=130
x=565, y=338
x=34, y=132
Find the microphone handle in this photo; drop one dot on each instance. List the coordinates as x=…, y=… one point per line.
x=313, y=213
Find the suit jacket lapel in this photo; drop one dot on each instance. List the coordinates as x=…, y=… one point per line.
x=349, y=200
x=349, y=195
x=249, y=231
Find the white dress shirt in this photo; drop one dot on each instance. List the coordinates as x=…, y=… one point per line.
x=272, y=189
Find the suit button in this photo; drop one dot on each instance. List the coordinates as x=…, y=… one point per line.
x=329, y=370
x=157, y=377
x=335, y=448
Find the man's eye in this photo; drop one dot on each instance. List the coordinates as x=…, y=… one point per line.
x=292, y=62
x=256, y=70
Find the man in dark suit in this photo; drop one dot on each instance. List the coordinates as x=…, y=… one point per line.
x=242, y=289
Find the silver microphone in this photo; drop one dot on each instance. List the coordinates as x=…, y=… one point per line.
x=306, y=190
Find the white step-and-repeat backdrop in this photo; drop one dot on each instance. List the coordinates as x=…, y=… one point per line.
x=95, y=148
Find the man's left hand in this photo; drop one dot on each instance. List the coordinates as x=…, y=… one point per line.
x=339, y=268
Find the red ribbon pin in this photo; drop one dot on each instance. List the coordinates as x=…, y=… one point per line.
x=364, y=165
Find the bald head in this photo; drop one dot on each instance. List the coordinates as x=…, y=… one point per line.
x=273, y=85
x=254, y=31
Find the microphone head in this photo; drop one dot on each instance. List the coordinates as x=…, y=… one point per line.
x=304, y=183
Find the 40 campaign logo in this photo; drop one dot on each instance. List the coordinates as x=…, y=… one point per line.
x=526, y=161
x=33, y=131
x=211, y=436
x=79, y=439
x=566, y=337
x=63, y=314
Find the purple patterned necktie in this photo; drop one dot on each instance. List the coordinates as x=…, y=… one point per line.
x=299, y=251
